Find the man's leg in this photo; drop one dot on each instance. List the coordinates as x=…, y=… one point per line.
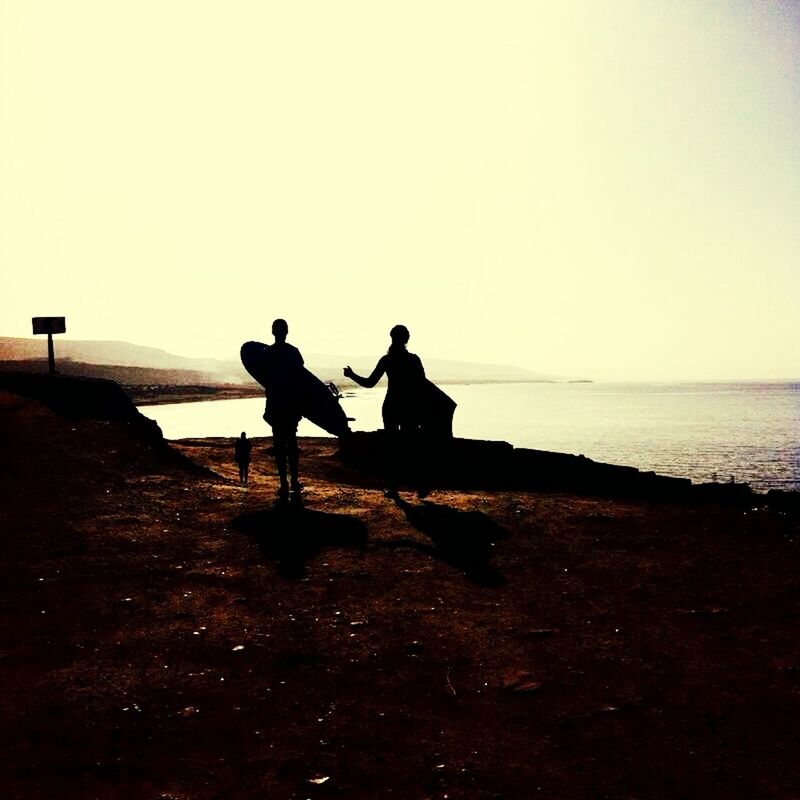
x=279, y=447
x=294, y=459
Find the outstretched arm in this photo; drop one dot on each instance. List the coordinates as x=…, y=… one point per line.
x=367, y=383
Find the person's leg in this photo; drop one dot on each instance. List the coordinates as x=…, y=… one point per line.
x=392, y=458
x=246, y=472
x=241, y=473
x=294, y=459
x=279, y=448
x=423, y=455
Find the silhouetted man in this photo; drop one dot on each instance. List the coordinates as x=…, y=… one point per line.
x=241, y=455
x=282, y=411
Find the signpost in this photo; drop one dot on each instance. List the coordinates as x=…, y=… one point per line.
x=50, y=325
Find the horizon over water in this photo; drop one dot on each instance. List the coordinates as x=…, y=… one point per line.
x=703, y=431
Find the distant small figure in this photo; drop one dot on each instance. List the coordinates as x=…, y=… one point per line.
x=283, y=406
x=242, y=448
x=414, y=409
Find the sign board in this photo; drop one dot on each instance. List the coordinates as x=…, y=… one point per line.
x=49, y=325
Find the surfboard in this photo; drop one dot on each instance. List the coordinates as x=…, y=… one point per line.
x=436, y=411
x=314, y=399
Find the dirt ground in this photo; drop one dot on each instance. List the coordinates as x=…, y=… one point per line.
x=168, y=633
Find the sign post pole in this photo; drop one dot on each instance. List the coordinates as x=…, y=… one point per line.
x=51, y=356
x=50, y=325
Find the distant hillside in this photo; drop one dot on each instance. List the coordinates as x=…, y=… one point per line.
x=122, y=354
x=133, y=364
x=126, y=376
x=439, y=370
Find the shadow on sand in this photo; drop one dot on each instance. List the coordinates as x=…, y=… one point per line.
x=463, y=539
x=292, y=535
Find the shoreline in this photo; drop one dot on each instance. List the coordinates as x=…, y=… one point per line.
x=169, y=395
x=497, y=465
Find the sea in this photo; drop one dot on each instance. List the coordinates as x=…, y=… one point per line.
x=743, y=432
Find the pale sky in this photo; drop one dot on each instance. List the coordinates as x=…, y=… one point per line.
x=608, y=189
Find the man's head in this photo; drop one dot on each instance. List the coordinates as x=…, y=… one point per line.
x=280, y=330
x=244, y=435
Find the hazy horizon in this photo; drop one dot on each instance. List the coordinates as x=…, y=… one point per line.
x=326, y=360
x=606, y=191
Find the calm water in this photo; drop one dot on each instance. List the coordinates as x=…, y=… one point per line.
x=746, y=430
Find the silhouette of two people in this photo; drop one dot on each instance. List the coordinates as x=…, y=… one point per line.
x=417, y=416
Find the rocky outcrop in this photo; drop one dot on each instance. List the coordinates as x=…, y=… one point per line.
x=79, y=398
x=54, y=424
x=473, y=463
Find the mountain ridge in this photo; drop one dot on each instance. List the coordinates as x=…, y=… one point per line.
x=115, y=353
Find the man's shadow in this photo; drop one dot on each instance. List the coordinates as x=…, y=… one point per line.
x=292, y=534
x=463, y=539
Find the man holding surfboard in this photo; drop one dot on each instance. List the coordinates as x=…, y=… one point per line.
x=292, y=392
x=283, y=405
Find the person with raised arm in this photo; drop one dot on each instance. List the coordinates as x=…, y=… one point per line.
x=413, y=409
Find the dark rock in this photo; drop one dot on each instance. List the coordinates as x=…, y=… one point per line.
x=780, y=500
x=477, y=464
x=474, y=463
x=79, y=398
x=723, y=493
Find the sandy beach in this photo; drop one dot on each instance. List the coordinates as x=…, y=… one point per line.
x=167, y=633
x=161, y=395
